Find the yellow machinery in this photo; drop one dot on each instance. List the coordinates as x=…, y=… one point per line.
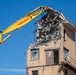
x=22, y=22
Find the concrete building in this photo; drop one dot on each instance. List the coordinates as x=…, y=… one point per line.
x=55, y=57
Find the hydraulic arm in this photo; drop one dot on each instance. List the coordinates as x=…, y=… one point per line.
x=23, y=21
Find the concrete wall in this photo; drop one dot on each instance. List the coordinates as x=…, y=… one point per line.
x=41, y=60
x=70, y=72
x=70, y=42
x=46, y=70
x=40, y=63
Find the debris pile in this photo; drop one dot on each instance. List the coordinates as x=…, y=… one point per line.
x=48, y=27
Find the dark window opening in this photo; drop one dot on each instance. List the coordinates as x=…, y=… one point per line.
x=65, y=72
x=35, y=72
x=64, y=35
x=52, y=57
x=56, y=57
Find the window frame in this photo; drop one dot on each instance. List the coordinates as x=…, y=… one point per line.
x=33, y=56
x=56, y=62
x=53, y=57
x=66, y=53
x=35, y=72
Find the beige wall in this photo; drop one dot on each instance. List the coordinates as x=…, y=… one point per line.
x=70, y=42
x=50, y=70
x=70, y=72
x=41, y=60
x=40, y=64
x=47, y=70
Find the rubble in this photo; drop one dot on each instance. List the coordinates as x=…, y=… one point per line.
x=48, y=27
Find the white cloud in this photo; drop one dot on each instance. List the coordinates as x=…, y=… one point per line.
x=5, y=64
x=12, y=70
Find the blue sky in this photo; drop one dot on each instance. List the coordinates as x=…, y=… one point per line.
x=12, y=52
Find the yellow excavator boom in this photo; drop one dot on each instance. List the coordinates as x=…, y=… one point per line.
x=22, y=22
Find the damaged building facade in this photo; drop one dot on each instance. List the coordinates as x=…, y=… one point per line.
x=53, y=53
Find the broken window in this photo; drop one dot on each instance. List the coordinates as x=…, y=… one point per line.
x=35, y=72
x=34, y=54
x=66, y=52
x=52, y=57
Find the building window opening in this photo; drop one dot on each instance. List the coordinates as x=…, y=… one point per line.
x=56, y=57
x=35, y=72
x=64, y=35
x=66, y=52
x=34, y=54
x=65, y=72
x=52, y=57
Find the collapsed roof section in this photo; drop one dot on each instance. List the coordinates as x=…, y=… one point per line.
x=48, y=27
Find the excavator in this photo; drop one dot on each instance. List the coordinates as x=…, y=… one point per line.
x=21, y=22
